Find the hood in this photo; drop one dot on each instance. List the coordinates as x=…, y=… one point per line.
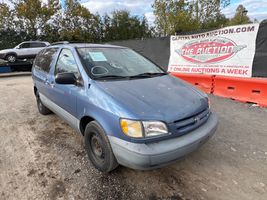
x=164, y=98
x=6, y=50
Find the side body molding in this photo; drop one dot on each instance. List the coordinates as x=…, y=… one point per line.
x=67, y=117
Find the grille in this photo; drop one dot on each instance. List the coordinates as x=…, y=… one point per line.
x=188, y=124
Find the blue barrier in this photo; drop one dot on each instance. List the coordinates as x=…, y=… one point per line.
x=5, y=69
x=19, y=66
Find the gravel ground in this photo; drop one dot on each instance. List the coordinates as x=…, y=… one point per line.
x=41, y=157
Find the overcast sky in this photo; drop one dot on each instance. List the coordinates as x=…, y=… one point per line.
x=256, y=8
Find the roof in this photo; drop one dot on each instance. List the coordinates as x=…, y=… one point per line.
x=36, y=41
x=83, y=45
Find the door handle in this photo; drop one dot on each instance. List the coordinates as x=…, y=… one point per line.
x=51, y=84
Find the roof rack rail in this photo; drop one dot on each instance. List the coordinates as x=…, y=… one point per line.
x=61, y=42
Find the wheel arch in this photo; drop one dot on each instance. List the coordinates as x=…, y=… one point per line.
x=84, y=121
x=109, y=123
x=35, y=90
x=11, y=53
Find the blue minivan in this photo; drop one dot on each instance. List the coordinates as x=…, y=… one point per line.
x=129, y=110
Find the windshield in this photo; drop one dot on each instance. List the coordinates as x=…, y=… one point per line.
x=117, y=63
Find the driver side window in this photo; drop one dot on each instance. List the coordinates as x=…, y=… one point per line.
x=24, y=45
x=66, y=63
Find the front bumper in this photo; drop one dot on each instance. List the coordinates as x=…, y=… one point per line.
x=2, y=56
x=154, y=155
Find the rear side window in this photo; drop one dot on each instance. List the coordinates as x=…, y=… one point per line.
x=44, y=59
x=37, y=44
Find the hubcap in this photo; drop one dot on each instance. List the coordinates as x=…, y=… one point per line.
x=96, y=147
x=11, y=58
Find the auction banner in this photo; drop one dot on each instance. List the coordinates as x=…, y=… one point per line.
x=228, y=51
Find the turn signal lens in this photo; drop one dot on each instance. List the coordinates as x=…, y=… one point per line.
x=131, y=128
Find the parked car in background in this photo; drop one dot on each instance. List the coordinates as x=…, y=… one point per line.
x=129, y=110
x=25, y=50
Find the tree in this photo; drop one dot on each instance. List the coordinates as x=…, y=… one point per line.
x=122, y=26
x=46, y=20
x=34, y=14
x=50, y=31
x=174, y=16
x=10, y=31
x=240, y=16
x=146, y=31
x=106, y=28
x=6, y=17
x=225, y=3
x=208, y=14
x=78, y=23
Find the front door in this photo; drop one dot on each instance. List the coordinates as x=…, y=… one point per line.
x=25, y=50
x=65, y=96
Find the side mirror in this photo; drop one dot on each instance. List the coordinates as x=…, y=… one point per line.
x=66, y=78
x=17, y=47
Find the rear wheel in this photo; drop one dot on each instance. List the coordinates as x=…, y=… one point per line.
x=98, y=148
x=11, y=58
x=41, y=107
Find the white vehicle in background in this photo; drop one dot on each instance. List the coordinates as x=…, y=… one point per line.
x=25, y=50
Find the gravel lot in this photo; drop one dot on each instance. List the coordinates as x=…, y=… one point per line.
x=41, y=157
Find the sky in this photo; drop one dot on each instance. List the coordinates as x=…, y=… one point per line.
x=137, y=7
x=257, y=9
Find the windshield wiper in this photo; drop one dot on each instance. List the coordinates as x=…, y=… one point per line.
x=148, y=74
x=112, y=77
x=143, y=75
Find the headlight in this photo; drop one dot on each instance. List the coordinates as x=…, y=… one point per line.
x=154, y=128
x=139, y=129
x=131, y=128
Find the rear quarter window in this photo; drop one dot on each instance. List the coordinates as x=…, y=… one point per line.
x=44, y=58
x=37, y=44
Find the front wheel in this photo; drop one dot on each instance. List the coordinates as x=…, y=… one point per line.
x=11, y=58
x=98, y=148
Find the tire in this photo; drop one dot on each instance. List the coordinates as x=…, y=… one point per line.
x=98, y=148
x=41, y=107
x=11, y=58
